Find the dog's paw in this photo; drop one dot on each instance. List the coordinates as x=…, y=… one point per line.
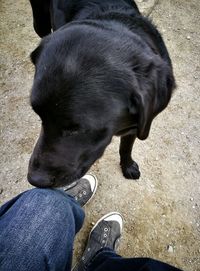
x=131, y=171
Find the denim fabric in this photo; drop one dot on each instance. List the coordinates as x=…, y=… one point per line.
x=37, y=230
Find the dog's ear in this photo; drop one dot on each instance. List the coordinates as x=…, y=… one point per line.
x=152, y=90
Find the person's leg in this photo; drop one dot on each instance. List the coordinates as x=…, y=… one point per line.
x=108, y=260
x=37, y=231
x=37, y=227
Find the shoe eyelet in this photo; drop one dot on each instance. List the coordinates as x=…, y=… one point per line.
x=80, y=195
x=84, y=192
x=76, y=198
x=105, y=229
x=105, y=235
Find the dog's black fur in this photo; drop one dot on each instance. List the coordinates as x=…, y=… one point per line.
x=105, y=71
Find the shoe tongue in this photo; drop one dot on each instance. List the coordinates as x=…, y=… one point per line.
x=113, y=238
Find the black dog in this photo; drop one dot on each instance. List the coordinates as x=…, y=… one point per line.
x=105, y=71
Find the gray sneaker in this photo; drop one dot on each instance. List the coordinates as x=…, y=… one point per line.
x=82, y=190
x=106, y=233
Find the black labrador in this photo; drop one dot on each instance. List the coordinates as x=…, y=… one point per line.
x=105, y=71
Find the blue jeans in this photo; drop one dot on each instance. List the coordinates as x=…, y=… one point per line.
x=37, y=230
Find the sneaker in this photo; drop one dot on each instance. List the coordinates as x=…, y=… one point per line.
x=106, y=233
x=82, y=190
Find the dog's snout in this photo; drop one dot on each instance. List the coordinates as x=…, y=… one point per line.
x=40, y=180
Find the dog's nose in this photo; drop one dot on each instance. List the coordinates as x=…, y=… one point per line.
x=40, y=180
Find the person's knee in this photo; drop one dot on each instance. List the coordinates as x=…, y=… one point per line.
x=44, y=192
x=45, y=196
x=46, y=203
x=38, y=221
x=47, y=199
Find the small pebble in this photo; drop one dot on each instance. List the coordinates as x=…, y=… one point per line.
x=191, y=199
x=188, y=37
x=170, y=248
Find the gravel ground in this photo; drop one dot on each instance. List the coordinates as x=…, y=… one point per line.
x=162, y=210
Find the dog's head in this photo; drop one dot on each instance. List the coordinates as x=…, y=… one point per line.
x=84, y=93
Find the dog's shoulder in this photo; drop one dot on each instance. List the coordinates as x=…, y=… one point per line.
x=149, y=32
x=144, y=28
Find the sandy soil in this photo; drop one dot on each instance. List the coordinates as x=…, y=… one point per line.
x=162, y=210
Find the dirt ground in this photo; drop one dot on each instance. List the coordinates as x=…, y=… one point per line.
x=162, y=210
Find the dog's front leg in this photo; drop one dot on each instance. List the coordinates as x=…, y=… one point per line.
x=129, y=167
